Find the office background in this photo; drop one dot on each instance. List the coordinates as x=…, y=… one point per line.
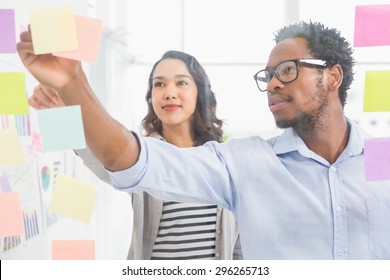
x=230, y=38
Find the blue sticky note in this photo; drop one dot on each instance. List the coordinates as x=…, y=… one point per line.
x=7, y=31
x=61, y=128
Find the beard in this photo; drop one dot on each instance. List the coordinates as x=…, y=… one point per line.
x=307, y=120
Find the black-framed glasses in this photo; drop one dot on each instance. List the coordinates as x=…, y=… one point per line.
x=286, y=71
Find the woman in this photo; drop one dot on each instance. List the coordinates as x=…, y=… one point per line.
x=181, y=111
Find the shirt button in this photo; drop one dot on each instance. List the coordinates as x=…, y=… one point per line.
x=219, y=231
x=339, y=209
x=340, y=252
x=332, y=168
x=217, y=255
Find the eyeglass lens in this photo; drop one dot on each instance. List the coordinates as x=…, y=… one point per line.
x=285, y=72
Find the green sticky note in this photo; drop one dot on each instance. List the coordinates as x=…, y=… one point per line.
x=73, y=198
x=53, y=30
x=13, y=97
x=377, y=91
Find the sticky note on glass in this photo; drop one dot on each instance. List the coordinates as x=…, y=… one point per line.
x=372, y=25
x=73, y=249
x=61, y=128
x=89, y=32
x=53, y=30
x=4, y=183
x=377, y=91
x=13, y=96
x=11, y=152
x=73, y=198
x=377, y=158
x=7, y=31
x=11, y=217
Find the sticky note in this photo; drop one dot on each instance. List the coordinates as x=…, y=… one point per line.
x=11, y=217
x=73, y=198
x=4, y=183
x=11, y=152
x=7, y=31
x=13, y=96
x=377, y=91
x=377, y=158
x=372, y=25
x=73, y=249
x=61, y=128
x=89, y=32
x=53, y=30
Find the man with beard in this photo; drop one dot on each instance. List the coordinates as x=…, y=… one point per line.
x=302, y=195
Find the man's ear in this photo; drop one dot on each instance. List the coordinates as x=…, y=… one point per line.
x=335, y=77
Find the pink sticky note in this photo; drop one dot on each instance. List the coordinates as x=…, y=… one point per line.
x=11, y=218
x=89, y=32
x=73, y=249
x=7, y=31
x=372, y=25
x=377, y=158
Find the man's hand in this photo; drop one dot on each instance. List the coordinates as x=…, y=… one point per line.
x=45, y=98
x=51, y=71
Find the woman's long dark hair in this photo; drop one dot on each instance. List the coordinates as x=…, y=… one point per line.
x=206, y=125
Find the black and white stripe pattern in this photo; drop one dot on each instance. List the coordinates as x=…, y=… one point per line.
x=186, y=231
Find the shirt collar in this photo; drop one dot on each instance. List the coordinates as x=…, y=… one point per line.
x=290, y=141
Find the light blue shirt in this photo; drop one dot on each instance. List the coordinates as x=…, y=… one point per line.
x=289, y=202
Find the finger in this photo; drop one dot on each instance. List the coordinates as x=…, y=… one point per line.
x=40, y=99
x=51, y=94
x=25, y=36
x=35, y=103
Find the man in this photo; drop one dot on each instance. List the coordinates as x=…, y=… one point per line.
x=302, y=195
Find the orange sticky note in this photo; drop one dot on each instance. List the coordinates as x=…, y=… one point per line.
x=73, y=249
x=89, y=32
x=11, y=217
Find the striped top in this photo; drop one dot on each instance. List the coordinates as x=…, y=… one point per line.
x=186, y=231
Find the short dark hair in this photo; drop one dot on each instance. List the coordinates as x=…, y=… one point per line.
x=327, y=44
x=206, y=125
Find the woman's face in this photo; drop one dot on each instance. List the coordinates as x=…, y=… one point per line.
x=174, y=93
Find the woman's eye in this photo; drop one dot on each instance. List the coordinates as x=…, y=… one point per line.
x=182, y=83
x=158, y=84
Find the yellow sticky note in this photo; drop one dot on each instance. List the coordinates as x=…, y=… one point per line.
x=89, y=32
x=377, y=91
x=11, y=217
x=73, y=198
x=13, y=96
x=53, y=30
x=73, y=249
x=11, y=152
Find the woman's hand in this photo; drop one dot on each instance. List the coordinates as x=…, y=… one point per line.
x=45, y=98
x=51, y=71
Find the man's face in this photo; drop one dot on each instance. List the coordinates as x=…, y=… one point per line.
x=301, y=103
